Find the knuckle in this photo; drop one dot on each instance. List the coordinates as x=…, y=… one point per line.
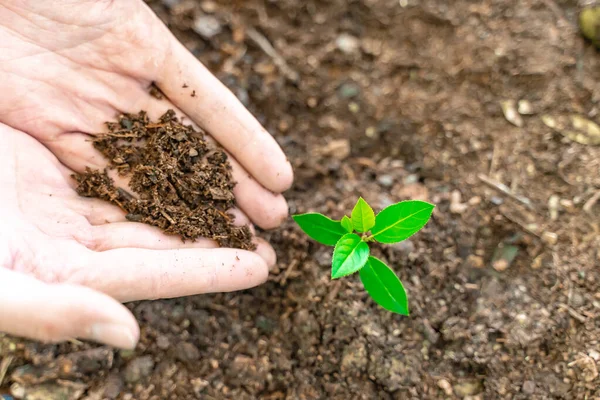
x=90, y=237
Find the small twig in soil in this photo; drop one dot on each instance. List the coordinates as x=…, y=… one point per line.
x=269, y=50
x=587, y=207
x=334, y=292
x=493, y=161
x=224, y=215
x=502, y=188
x=167, y=216
x=573, y=313
x=6, y=361
x=288, y=271
x=521, y=225
x=120, y=135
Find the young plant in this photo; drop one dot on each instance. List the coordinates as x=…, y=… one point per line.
x=351, y=236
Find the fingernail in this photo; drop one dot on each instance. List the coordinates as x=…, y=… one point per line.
x=114, y=335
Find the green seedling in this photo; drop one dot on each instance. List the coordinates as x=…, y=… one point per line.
x=351, y=237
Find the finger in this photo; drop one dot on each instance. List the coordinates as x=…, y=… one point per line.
x=136, y=274
x=125, y=233
x=265, y=208
x=97, y=212
x=54, y=313
x=220, y=113
x=266, y=251
x=268, y=210
x=137, y=235
x=77, y=153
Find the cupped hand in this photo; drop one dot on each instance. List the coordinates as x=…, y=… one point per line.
x=67, y=262
x=64, y=269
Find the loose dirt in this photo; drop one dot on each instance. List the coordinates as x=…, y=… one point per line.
x=182, y=184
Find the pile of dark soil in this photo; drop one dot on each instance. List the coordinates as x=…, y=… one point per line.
x=182, y=184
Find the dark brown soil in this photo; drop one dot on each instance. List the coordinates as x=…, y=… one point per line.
x=182, y=184
x=395, y=100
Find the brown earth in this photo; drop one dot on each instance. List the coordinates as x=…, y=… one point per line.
x=389, y=100
x=181, y=183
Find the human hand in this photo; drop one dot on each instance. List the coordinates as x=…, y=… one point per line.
x=66, y=261
x=65, y=68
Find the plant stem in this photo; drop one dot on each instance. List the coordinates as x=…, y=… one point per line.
x=367, y=239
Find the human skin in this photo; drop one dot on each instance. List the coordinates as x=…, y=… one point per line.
x=68, y=263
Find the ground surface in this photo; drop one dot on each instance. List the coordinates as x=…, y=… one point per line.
x=407, y=106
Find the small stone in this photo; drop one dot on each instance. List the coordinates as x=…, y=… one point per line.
x=338, y=148
x=553, y=206
x=243, y=96
x=163, y=342
x=312, y=102
x=550, y=238
x=524, y=107
x=383, y=201
x=522, y=318
x=510, y=113
x=348, y=90
x=372, y=329
x=355, y=357
x=347, y=43
x=17, y=390
x=474, y=261
x=207, y=26
x=412, y=178
x=528, y=387
x=113, y=387
x=178, y=312
x=497, y=200
x=594, y=354
x=208, y=6
x=385, y=180
x=353, y=107
x=324, y=257
x=413, y=191
x=474, y=201
x=456, y=205
x=468, y=388
x=198, y=384
x=577, y=300
x=445, y=386
x=186, y=352
x=138, y=368
x=537, y=262
x=405, y=246
x=67, y=390
x=193, y=152
x=430, y=334
x=171, y=3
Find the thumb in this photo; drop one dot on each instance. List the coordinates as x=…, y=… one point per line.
x=56, y=312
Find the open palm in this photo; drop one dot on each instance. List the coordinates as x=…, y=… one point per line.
x=66, y=67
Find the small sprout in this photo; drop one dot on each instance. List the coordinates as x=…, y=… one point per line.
x=351, y=236
x=347, y=224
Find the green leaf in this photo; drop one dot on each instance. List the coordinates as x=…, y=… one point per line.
x=384, y=286
x=363, y=217
x=350, y=255
x=401, y=220
x=320, y=228
x=347, y=224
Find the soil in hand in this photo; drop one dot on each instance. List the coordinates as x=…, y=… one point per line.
x=181, y=183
